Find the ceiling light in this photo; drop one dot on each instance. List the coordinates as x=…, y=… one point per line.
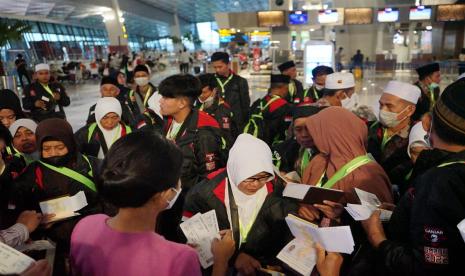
x=311, y=30
x=429, y=28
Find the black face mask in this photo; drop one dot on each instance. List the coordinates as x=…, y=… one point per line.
x=58, y=161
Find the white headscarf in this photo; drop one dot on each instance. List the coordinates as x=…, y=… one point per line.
x=247, y=157
x=104, y=106
x=417, y=137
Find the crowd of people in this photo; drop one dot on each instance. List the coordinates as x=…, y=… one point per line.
x=151, y=157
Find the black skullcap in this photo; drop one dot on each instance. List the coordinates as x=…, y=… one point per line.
x=286, y=65
x=322, y=70
x=304, y=110
x=109, y=80
x=450, y=108
x=427, y=70
x=223, y=56
x=280, y=79
x=141, y=67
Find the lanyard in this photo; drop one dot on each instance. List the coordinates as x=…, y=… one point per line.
x=73, y=175
x=13, y=151
x=47, y=88
x=172, y=132
x=315, y=93
x=433, y=100
x=347, y=169
x=245, y=230
x=147, y=96
x=385, y=140
x=292, y=89
x=223, y=84
x=451, y=163
x=305, y=159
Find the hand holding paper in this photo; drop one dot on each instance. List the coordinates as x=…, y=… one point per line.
x=369, y=203
x=64, y=207
x=13, y=261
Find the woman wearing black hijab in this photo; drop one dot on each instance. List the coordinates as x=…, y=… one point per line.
x=10, y=107
x=61, y=171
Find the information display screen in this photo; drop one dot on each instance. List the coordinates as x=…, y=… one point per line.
x=358, y=16
x=317, y=54
x=420, y=13
x=388, y=15
x=328, y=16
x=270, y=18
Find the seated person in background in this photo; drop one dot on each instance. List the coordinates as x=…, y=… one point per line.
x=140, y=175
x=295, y=153
x=247, y=199
x=96, y=139
x=315, y=92
x=388, y=137
x=61, y=171
x=339, y=87
x=340, y=137
x=109, y=87
x=10, y=108
x=210, y=101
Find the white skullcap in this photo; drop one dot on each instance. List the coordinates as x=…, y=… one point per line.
x=417, y=137
x=339, y=80
x=27, y=123
x=42, y=66
x=106, y=105
x=403, y=90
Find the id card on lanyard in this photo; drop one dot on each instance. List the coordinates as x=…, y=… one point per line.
x=52, y=99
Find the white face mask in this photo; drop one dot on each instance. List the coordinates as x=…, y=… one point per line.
x=350, y=103
x=173, y=201
x=142, y=81
x=389, y=119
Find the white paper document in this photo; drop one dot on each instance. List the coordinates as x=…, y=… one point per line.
x=64, y=207
x=461, y=227
x=296, y=190
x=369, y=203
x=13, y=261
x=200, y=230
x=300, y=253
x=363, y=212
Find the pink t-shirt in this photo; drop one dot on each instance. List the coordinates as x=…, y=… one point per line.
x=98, y=250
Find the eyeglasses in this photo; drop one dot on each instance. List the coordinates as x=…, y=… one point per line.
x=261, y=179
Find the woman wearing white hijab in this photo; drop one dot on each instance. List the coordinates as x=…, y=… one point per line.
x=246, y=198
x=96, y=139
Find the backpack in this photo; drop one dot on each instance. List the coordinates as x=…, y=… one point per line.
x=257, y=125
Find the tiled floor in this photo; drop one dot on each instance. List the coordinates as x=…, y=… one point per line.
x=85, y=95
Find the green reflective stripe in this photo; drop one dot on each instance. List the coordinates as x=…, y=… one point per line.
x=9, y=151
x=73, y=175
x=13, y=151
x=451, y=163
x=90, y=131
x=223, y=143
x=304, y=162
x=305, y=93
x=128, y=129
x=315, y=93
x=407, y=177
x=347, y=169
x=385, y=140
x=49, y=91
x=131, y=93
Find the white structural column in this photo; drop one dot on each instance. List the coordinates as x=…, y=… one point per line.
x=114, y=24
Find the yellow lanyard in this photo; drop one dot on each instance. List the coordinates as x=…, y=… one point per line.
x=315, y=93
x=292, y=88
x=147, y=96
x=47, y=88
x=346, y=170
x=172, y=132
x=385, y=140
x=223, y=84
x=433, y=100
x=304, y=162
x=245, y=230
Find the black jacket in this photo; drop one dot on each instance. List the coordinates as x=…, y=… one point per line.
x=285, y=155
x=221, y=111
x=200, y=141
x=298, y=95
x=91, y=147
x=423, y=238
x=54, y=109
x=425, y=103
x=269, y=233
x=38, y=183
x=393, y=157
x=134, y=96
x=237, y=95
